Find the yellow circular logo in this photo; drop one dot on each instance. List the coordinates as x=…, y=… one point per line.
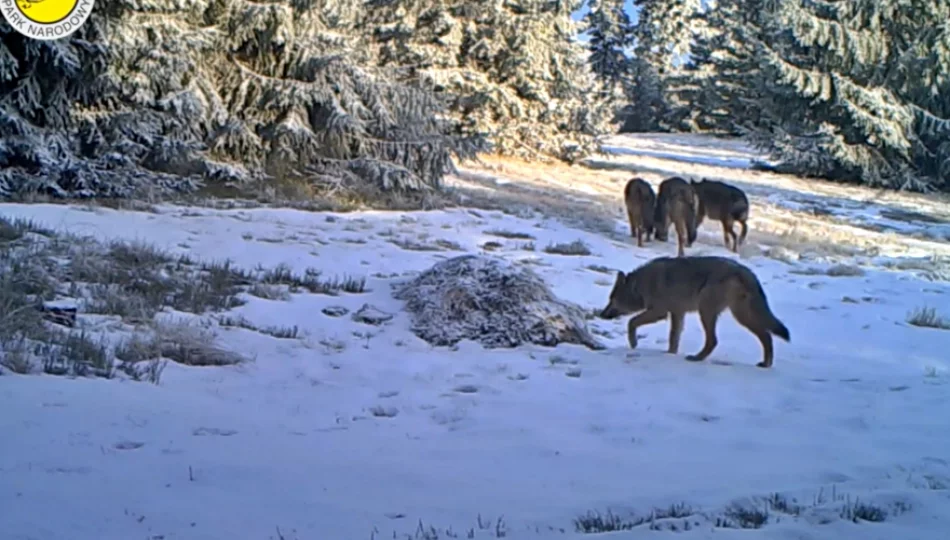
x=46, y=19
x=46, y=11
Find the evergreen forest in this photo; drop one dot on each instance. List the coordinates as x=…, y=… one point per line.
x=169, y=96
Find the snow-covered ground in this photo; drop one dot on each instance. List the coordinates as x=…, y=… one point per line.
x=685, y=147
x=729, y=160
x=354, y=431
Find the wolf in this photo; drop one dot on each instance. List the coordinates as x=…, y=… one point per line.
x=639, y=198
x=675, y=286
x=676, y=202
x=726, y=204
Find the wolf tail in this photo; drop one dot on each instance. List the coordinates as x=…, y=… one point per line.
x=760, y=306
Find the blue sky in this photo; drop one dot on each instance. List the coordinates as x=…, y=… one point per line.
x=628, y=7
x=633, y=13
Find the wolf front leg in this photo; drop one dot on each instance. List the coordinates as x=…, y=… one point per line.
x=649, y=316
x=676, y=330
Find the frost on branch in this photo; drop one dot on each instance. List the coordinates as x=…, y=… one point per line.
x=166, y=96
x=513, y=71
x=852, y=91
x=856, y=91
x=493, y=302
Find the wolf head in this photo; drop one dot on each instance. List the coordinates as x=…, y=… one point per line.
x=624, y=298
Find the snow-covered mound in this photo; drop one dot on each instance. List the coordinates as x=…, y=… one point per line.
x=493, y=302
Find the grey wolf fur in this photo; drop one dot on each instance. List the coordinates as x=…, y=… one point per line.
x=675, y=286
x=726, y=204
x=676, y=203
x=639, y=198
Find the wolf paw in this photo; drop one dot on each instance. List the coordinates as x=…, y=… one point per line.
x=694, y=358
x=763, y=365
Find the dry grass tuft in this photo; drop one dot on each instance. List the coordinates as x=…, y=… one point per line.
x=928, y=317
x=269, y=292
x=191, y=345
x=575, y=248
x=844, y=270
x=510, y=235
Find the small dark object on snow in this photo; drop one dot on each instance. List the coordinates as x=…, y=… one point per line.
x=335, y=311
x=493, y=302
x=371, y=315
x=59, y=314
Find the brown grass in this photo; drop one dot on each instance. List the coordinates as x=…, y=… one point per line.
x=590, y=197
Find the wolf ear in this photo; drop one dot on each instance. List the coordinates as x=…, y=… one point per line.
x=620, y=276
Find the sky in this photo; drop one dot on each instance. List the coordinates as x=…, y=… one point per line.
x=628, y=5
x=631, y=10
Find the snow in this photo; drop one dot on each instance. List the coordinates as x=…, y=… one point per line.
x=390, y=434
x=686, y=148
x=651, y=151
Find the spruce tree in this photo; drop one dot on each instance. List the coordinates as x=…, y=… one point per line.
x=646, y=102
x=610, y=38
x=856, y=90
x=664, y=33
x=714, y=83
x=42, y=138
x=610, y=31
x=512, y=70
x=153, y=96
